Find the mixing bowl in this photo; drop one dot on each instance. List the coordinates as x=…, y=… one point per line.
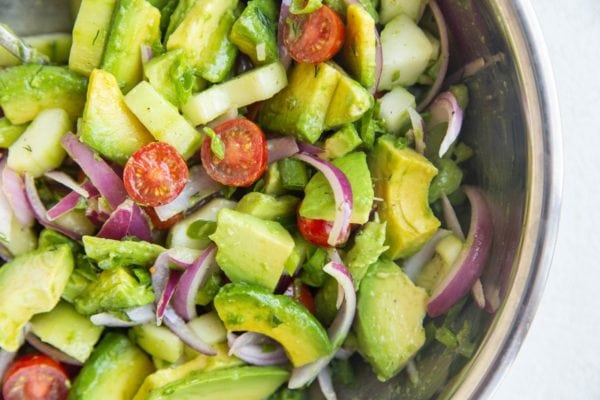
x=513, y=125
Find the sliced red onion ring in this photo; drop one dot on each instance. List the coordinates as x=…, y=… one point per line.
x=445, y=108
x=137, y=316
x=471, y=260
x=96, y=212
x=415, y=263
x=378, y=62
x=14, y=190
x=199, y=186
x=281, y=147
x=6, y=357
x=166, y=295
x=139, y=225
x=147, y=53
x=342, y=193
x=309, y=148
x=326, y=384
x=70, y=201
x=39, y=210
x=284, y=11
x=102, y=176
x=179, y=328
x=444, y=56
x=338, y=331
x=192, y=279
x=478, y=294
x=68, y=182
x=127, y=220
x=418, y=130
x=50, y=350
x=451, y=218
x=250, y=347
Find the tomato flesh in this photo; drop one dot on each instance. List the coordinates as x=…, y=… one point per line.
x=315, y=37
x=155, y=174
x=35, y=377
x=300, y=292
x=317, y=231
x=245, y=155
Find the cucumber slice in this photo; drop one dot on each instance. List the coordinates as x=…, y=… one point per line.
x=394, y=107
x=163, y=120
x=39, y=150
x=257, y=85
x=17, y=238
x=392, y=8
x=209, y=328
x=158, y=341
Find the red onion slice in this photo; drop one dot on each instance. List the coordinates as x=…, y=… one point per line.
x=146, y=53
x=326, y=384
x=478, y=294
x=68, y=182
x=284, y=11
x=470, y=262
x=137, y=316
x=102, y=176
x=199, y=186
x=139, y=225
x=127, y=220
x=50, y=350
x=39, y=210
x=166, y=295
x=445, y=108
x=414, y=265
x=96, y=212
x=14, y=191
x=310, y=148
x=179, y=328
x=281, y=147
x=342, y=193
x=338, y=331
x=70, y=201
x=451, y=218
x=418, y=130
x=444, y=56
x=250, y=347
x=194, y=277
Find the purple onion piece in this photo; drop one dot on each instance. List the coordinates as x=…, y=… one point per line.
x=326, y=384
x=70, y=201
x=468, y=266
x=284, y=11
x=102, y=176
x=39, y=210
x=451, y=218
x=147, y=53
x=309, y=148
x=179, y=328
x=250, y=347
x=50, y=350
x=192, y=279
x=139, y=226
x=117, y=225
x=14, y=191
x=445, y=108
x=68, y=182
x=166, y=295
x=137, y=316
x=342, y=193
x=198, y=187
x=96, y=212
x=444, y=56
x=281, y=147
x=413, y=266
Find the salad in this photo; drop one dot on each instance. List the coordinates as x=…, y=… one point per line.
x=217, y=199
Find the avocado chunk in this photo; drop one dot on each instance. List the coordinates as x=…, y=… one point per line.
x=252, y=308
x=114, y=290
x=350, y=101
x=250, y=249
x=319, y=202
x=255, y=31
x=203, y=34
x=90, y=34
x=301, y=108
x=39, y=148
x=110, y=254
x=157, y=341
x=389, y=319
x=9, y=133
x=67, y=330
x=369, y=244
x=281, y=209
x=29, y=89
x=360, y=47
x=201, y=363
x=31, y=284
x=179, y=13
x=342, y=142
x=163, y=119
x=237, y=383
x=108, y=126
x=135, y=23
x=402, y=178
x=115, y=370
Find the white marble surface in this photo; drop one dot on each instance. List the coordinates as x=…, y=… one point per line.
x=560, y=358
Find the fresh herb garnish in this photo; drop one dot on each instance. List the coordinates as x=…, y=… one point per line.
x=216, y=144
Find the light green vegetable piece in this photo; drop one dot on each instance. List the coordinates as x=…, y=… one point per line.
x=110, y=254
x=369, y=244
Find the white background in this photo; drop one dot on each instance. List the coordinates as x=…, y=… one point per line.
x=560, y=358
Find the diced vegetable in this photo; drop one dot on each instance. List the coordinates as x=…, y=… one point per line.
x=393, y=109
x=256, y=29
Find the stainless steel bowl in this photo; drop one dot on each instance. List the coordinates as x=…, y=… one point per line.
x=513, y=124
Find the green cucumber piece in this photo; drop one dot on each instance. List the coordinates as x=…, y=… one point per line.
x=158, y=341
x=9, y=133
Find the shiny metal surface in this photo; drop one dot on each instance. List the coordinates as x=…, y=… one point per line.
x=513, y=125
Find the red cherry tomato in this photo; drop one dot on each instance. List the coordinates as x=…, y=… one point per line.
x=35, y=377
x=299, y=292
x=316, y=231
x=315, y=37
x=159, y=224
x=155, y=174
x=245, y=155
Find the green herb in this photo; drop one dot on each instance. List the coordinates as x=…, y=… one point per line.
x=201, y=230
x=216, y=144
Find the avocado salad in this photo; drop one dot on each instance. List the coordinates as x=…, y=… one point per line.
x=223, y=199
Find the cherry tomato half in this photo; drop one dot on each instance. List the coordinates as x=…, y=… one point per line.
x=315, y=37
x=300, y=292
x=245, y=155
x=35, y=377
x=316, y=231
x=155, y=174
x=159, y=224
